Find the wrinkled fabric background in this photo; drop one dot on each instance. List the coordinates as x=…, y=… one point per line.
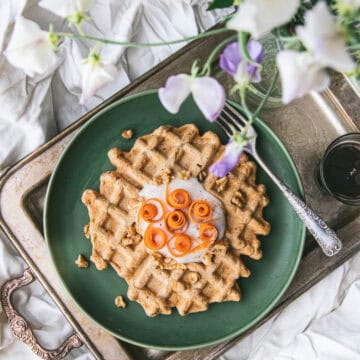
x=324, y=323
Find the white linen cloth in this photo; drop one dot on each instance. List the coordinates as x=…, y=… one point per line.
x=324, y=323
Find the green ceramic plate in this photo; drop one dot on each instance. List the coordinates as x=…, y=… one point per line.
x=80, y=167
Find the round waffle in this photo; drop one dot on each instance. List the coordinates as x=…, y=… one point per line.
x=159, y=283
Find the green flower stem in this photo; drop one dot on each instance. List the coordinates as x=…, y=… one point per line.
x=135, y=44
x=244, y=104
x=243, y=41
x=207, y=66
x=267, y=95
x=251, y=116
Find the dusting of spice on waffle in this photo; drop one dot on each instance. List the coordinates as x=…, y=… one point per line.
x=160, y=283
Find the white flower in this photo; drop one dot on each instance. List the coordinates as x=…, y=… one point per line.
x=207, y=92
x=66, y=8
x=30, y=48
x=322, y=37
x=95, y=75
x=258, y=17
x=300, y=74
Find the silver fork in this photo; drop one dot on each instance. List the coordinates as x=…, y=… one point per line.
x=325, y=237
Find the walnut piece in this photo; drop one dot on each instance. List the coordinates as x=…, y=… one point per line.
x=221, y=184
x=165, y=177
x=132, y=230
x=120, y=302
x=157, y=180
x=127, y=134
x=131, y=237
x=193, y=277
x=202, y=175
x=184, y=175
x=238, y=199
x=126, y=241
x=208, y=259
x=166, y=263
x=219, y=249
x=81, y=262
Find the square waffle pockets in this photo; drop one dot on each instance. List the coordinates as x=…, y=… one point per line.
x=157, y=283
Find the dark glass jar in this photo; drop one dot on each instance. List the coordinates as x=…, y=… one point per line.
x=339, y=170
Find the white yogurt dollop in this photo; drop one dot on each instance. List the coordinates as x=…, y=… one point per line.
x=197, y=192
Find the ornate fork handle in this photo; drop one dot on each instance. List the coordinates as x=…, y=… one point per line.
x=325, y=237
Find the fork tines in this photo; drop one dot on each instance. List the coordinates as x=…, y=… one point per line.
x=230, y=118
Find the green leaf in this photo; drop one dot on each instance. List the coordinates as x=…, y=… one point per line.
x=220, y=4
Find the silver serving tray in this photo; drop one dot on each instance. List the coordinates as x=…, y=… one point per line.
x=306, y=127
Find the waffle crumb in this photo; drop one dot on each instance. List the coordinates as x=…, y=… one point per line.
x=127, y=134
x=99, y=262
x=81, y=262
x=120, y=302
x=87, y=231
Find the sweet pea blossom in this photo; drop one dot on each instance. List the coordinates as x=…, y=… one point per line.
x=259, y=17
x=230, y=158
x=208, y=94
x=30, y=48
x=300, y=74
x=67, y=8
x=233, y=62
x=95, y=75
x=322, y=37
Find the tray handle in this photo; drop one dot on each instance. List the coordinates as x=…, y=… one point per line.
x=21, y=329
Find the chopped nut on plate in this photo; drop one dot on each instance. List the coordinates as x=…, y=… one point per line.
x=127, y=134
x=81, y=262
x=120, y=302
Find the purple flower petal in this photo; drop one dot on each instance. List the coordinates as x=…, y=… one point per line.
x=209, y=96
x=176, y=90
x=256, y=52
x=229, y=160
x=230, y=58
